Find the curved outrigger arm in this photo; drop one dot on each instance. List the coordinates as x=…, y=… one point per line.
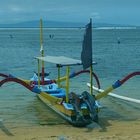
x=4, y=75
x=116, y=85
x=32, y=88
x=12, y=79
x=74, y=74
x=87, y=71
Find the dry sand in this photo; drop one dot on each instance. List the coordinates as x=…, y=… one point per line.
x=114, y=130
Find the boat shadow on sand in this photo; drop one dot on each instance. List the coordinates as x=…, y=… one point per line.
x=5, y=129
x=115, y=110
x=49, y=117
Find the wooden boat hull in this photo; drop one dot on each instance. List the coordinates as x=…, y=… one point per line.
x=66, y=114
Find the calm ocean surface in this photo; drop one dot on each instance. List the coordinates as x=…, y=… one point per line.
x=18, y=47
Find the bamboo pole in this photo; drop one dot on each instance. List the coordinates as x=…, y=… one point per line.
x=91, y=80
x=67, y=82
x=41, y=49
x=58, y=78
x=38, y=73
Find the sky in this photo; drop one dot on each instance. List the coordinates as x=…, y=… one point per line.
x=101, y=11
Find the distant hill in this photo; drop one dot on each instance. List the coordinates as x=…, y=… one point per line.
x=55, y=24
x=36, y=23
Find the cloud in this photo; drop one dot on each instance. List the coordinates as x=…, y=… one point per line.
x=70, y=10
x=95, y=15
x=15, y=8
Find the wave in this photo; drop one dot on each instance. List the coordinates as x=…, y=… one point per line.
x=110, y=28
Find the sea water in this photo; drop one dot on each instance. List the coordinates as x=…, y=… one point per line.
x=19, y=47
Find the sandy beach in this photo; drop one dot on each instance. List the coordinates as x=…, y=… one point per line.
x=114, y=130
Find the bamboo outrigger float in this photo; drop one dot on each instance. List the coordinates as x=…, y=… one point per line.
x=79, y=110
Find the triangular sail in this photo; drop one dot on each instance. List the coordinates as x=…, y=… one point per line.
x=86, y=54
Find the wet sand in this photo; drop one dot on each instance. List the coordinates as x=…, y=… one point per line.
x=113, y=130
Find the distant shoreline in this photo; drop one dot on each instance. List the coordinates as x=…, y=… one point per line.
x=104, y=27
x=60, y=24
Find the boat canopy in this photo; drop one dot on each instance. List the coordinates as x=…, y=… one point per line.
x=60, y=60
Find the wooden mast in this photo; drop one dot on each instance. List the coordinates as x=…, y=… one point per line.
x=91, y=68
x=41, y=49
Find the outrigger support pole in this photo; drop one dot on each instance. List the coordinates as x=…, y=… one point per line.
x=117, y=84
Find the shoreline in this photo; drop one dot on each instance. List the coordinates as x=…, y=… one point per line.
x=114, y=130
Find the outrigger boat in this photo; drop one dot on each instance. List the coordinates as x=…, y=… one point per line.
x=78, y=109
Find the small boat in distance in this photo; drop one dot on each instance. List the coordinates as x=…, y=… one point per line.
x=118, y=40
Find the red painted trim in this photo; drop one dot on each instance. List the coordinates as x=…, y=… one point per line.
x=129, y=76
x=17, y=81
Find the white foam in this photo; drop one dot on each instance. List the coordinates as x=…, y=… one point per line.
x=110, y=28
